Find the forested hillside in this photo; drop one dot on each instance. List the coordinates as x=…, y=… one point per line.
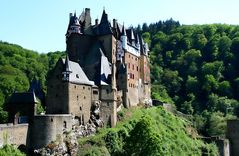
x=18, y=67
x=196, y=67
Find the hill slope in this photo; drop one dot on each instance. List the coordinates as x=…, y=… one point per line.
x=152, y=131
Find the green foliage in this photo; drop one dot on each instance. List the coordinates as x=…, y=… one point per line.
x=10, y=150
x=150, y=131
x=3, y=116
x=18, y=67
x=198, y=60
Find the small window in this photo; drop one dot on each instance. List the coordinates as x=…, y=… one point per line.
x=83, y=87
x=51, y=120
x=95, y=92
x=84, y=97
x=88, y=88
x=107, y=91
x=77, y=76
x=80, y=108
x=64, y=124
x=75, y=86
x=137, y=68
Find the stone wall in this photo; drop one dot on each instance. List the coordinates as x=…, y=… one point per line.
x=13, y=134
x=77, y=46
x=57, y=92
x=109, y=44
x=47, y=128
x=223, y=146
x=80, y=100
x=233, y=136
x=108, y=97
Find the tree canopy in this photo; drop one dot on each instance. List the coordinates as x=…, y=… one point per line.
x=196, y=68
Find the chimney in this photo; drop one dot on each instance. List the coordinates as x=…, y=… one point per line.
x=96, y=21
x=87, y=11
x=70, y=15
x=114, y=23
x=87, y=18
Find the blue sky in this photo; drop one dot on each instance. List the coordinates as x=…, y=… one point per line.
x=41, y=25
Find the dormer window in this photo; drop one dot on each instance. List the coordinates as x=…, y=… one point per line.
x=65, y=76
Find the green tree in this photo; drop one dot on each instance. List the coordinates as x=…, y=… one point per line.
x=210, y=84
x=143, y=140
x=213, y=68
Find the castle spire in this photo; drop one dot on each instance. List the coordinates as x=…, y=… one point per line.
x=123, y=38
x=132, y=34
x=123, y=31
x=67, y=69
x=67, y=64
x=74, y=25
x=104, y=17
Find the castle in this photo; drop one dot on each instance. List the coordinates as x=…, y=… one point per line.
x=106, y=67
x=104, y=63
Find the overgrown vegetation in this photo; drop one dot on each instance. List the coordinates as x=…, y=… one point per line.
x=151, y=131
x=10, y=150
x=196, y=68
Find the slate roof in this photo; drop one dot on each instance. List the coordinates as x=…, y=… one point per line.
x=102, y=67
x=104, y=27
x=105, y=70
x=77, y=75
x=23, y=98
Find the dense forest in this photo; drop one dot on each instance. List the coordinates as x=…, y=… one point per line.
x=18, y=67
x=196, y=67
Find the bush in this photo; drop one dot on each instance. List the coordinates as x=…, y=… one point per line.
x=10, y=150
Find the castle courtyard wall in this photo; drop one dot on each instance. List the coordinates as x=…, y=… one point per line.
x=13, y=134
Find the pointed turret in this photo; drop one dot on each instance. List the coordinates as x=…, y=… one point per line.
x=137, y=42
x=132, y=34
x=132, y=38
x=74, y=25
x=104, y=17
x=67, y=69
x=104, y=28
x=123, y=38
x=123, y=31
x=67, y=65
x=141, y=42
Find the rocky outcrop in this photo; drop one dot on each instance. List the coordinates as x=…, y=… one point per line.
x=67, y=145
